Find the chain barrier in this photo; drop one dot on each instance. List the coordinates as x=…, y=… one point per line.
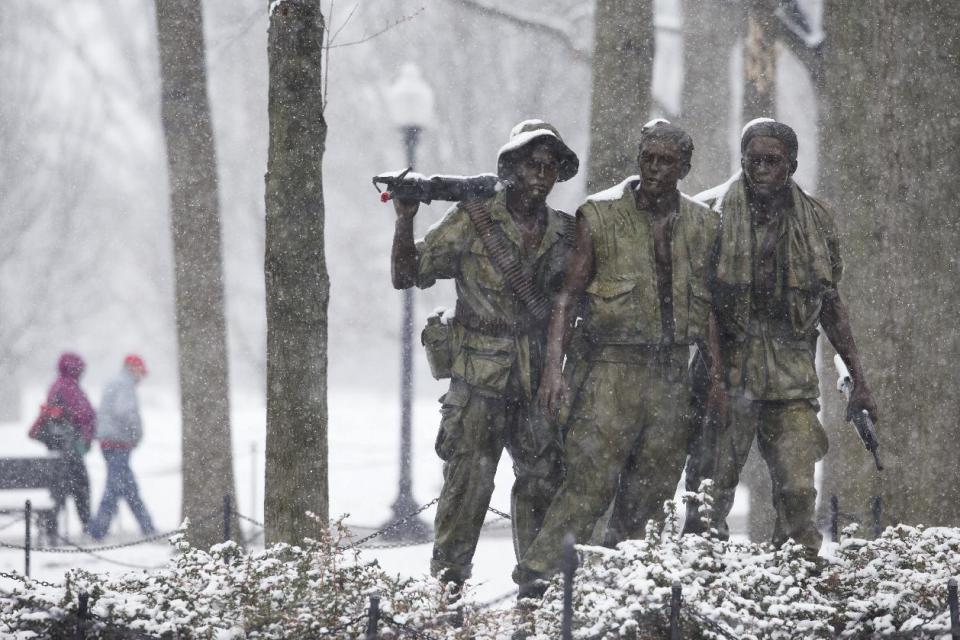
x=390, y=527
x=120, y=563
x=90, y=550
x=157, y=537
x=390, y=545
x=499, y=513
x=25, y=580
x=417, y=633
x=714, y=626
x=250, y=520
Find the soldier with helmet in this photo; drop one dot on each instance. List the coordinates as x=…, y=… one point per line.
x=493, y=348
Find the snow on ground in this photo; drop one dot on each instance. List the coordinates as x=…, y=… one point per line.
x=364, y=463
x=363, y=439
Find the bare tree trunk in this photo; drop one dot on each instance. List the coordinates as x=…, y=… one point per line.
x=297, y=284
x=198, y=265
x=711, y=29
x=622, y=70
x=759, y=99
x=891, y=122
x=759, y=61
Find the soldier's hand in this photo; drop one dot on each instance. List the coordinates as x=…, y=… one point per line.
x=718, y=404
x=552, y=392
x=406, y=209
x=862, y=400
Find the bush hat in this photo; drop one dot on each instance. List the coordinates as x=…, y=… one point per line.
x=529, y=131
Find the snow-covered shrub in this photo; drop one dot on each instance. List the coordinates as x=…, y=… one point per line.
x=895, y=585
x=319, y=589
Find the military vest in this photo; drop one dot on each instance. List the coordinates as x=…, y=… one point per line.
x=622, y=301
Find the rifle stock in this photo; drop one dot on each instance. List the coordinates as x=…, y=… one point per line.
x=415, y=187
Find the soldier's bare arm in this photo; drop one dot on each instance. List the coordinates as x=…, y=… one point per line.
x=835, y=320
x=403, y=257
x=579, y=273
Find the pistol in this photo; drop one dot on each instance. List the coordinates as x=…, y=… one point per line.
x=862, y=422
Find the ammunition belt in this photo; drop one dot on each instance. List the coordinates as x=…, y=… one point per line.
x=495, y=327
x=506, y=262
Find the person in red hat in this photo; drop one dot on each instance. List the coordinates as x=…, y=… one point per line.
x=120, y=430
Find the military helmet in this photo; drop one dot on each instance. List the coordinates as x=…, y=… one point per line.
x=529, y=131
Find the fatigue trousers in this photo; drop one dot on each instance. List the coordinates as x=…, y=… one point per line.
x=791, y=440
x=628, y=434
x=475, y=428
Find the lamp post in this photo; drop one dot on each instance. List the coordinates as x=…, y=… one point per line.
x=410, y=101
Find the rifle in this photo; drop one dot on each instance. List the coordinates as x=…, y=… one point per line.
x=413, y=186
x=861, y=420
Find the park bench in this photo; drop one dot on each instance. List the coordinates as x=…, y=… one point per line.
x=35, y=473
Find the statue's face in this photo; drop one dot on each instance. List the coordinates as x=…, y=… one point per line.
x=767, y=165
x=536, y=173
x=661, y=167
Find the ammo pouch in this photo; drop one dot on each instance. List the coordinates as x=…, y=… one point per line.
x=436, y=341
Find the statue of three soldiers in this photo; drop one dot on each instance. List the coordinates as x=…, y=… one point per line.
x=677, y=327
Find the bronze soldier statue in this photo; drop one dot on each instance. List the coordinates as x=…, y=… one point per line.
x=777, y=270
x=494, y=344
x=639, y=270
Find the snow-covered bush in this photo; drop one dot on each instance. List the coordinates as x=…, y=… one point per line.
x=894, y=586
x=889, y=587
x=320, y=589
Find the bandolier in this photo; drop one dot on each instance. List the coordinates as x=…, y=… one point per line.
x=497, y=351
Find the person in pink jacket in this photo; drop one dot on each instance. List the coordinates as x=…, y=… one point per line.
x=66, y=394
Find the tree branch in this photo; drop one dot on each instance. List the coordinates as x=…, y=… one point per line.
x=365, y=38
x=555, y=29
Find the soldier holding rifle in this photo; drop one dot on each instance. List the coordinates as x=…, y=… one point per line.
x=506, y=254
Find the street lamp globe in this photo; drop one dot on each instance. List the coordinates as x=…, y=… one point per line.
x=410, y=99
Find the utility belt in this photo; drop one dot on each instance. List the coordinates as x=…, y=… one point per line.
x=495, y=327
x=438, y=342
x=672, y=359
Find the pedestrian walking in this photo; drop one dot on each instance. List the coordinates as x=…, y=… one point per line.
x=120, y=431
x=67, y=425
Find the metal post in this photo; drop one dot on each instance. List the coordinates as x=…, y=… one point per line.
x=253, y=480
x=412, y=528
x=676, y=600
x=226, y=517
x=28, y=516
x=373, y=617
x=83, y=612
x=954, y=609
x=569, y=568
x=834, y=519
x=877, y=509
